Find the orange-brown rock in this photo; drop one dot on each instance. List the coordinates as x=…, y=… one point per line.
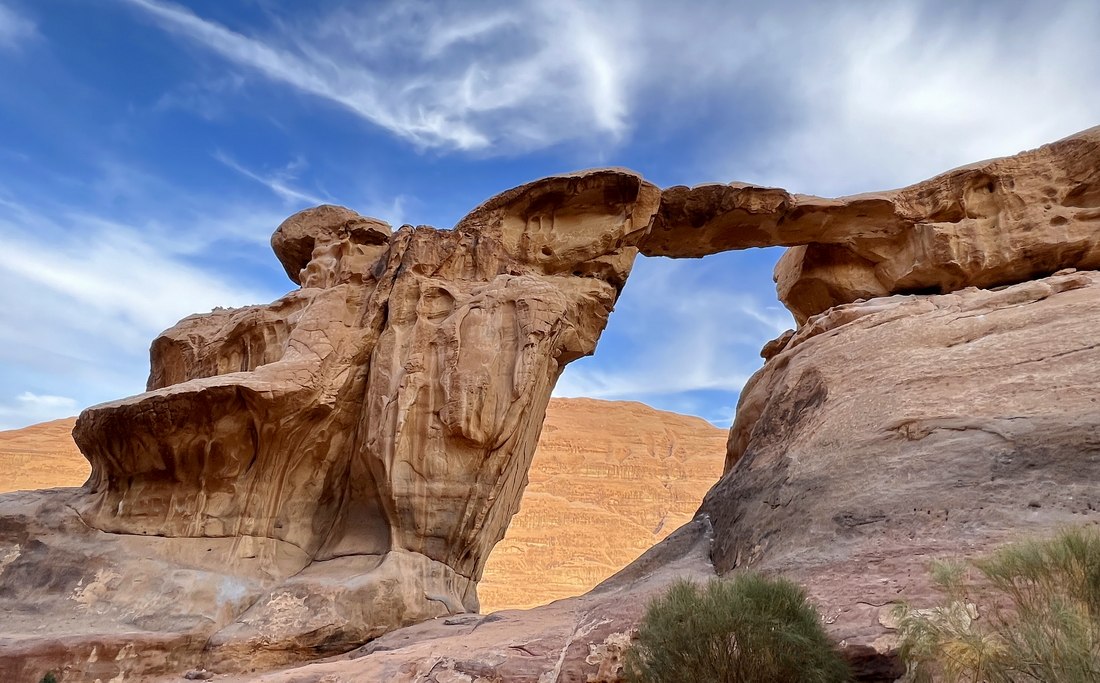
x=325, y=468
x=881, y=436
x=326, y=235
x=888, y=433
x=608, y=481
x=308, y=475
x=992, y=223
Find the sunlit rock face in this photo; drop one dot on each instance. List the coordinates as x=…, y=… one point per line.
x=347, y=456
x=991, y=223
x=305, y=476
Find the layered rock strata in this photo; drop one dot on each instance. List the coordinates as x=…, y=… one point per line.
x=310, y=474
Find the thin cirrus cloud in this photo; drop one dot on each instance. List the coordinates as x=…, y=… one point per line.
x=280, y=182
x=857, y=97
x=34, y=407
x=15, y=29
x=441, y=100
x=926, y=87
x=551, y=66
x=85, y=294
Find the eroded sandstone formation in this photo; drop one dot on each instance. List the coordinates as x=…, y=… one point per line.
x=992, y=223
x=308, y=475
x=340, y=462
x=887, y=433
x=881, y=436
x=609, y=479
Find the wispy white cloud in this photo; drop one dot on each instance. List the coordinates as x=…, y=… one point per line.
x=27, y=407
x=15, y=28
x=882, y=95
x=282, y=184
x=208, y=99
x=84, y=296
x=449, y=76
x=47, y=401
x=279, y=182
x=682, y=327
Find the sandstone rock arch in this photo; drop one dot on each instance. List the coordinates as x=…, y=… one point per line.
x=311, y=473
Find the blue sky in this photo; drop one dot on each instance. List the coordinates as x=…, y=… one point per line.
x=148, y=149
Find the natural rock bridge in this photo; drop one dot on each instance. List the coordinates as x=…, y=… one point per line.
x=306, y=475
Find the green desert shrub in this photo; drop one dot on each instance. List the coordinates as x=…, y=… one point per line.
x=48, y=678
x=1028, y=612
x=744, y=629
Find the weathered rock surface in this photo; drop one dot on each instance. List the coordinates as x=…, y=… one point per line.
x=311, y=474
x=992, y=223
x=578, y=640
x=882, y=435
x=894, y=431
x=609, y=479
x=328, y=467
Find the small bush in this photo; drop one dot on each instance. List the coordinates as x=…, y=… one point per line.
x=1031, y=612
x=740, y=630
x=48, y=678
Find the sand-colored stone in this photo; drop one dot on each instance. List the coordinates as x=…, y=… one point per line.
x=609, y=480
x=310, y=474
x=41, y=456
x=347, y=456
x=887, y=433
x=991, y=223
x=883, y=435
x=578, y=639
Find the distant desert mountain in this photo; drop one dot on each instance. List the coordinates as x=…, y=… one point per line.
x=41, y=456
x=609, y=480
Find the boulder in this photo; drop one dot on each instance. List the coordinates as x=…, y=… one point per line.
x=311, y=234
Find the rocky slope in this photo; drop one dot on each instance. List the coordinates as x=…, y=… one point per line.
x=609, y=480
x=882, y=435
x=312, y=474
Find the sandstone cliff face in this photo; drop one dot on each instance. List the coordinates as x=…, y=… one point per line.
x=890, y=432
